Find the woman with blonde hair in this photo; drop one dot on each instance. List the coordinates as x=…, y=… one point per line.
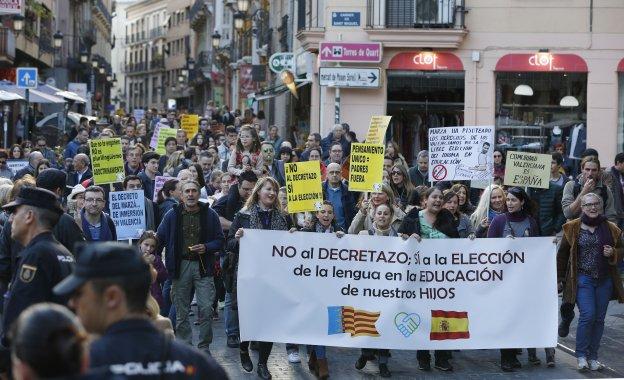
x=175, y=159
x=363, y=220
x=491, y=204
x=5, y=192
x=400, y=184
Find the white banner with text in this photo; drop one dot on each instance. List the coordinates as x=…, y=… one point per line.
x=384, y=292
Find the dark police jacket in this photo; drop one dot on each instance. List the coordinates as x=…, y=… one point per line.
x=43, y=263
x=135, y=349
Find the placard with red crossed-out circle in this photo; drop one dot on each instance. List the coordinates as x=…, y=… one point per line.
x=439, y=172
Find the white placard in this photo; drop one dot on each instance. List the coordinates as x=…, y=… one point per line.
x=437, y=294
x=16, y=165
x=461, y=153
x=127, y=210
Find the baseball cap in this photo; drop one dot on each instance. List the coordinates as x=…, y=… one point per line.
x=102, y=260
x=35, y=197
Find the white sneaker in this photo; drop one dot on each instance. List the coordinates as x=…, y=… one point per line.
x=220, y=305
x=595, y=365
x=293, y=357
x=582, y=364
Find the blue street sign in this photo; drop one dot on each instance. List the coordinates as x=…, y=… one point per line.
x=26, y=77
x=345, y=18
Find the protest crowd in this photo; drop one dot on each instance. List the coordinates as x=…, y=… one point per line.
x=64, y=243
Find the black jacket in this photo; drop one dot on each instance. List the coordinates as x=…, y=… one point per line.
x=549, y=213
x=72, y=178
x=137, y=341
x=227, y=206
x=444, y=224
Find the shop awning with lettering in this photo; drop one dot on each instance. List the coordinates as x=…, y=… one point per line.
x=541, y=62
x=426, y=61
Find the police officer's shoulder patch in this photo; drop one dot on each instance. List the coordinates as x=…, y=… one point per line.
x=27, y=273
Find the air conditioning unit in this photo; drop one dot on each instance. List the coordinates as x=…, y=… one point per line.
x=434, y=13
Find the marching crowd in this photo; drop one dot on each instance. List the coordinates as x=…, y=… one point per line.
x=56, y=244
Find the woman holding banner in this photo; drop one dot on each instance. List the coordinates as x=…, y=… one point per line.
x=262, y=211
x=517, y=222
x=491, y=204
x=588, y=275
x=383, y=215
x=363, y=220
x=432, y=222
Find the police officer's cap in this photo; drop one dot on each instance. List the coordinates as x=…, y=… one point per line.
x=102, y=260
x=35, y=197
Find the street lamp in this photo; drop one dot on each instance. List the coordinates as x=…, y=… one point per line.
x=102, y=70
x=181, y=78
x=84, y=56
x=216, y=39
x=109, y=77
x=243, y=5
x=114, y=79
x=239, y=20
x=94, y=63
x=18, y=23
x=190, y=64
x=58, y=39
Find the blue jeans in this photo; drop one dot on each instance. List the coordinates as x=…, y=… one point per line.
x=319, y=351
x=592, y=298
x=164, y=311
x=231, y=317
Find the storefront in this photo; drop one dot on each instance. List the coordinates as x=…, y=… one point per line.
x=541, y=100
x=425, y=90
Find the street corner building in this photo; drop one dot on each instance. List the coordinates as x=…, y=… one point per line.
x=346, y=319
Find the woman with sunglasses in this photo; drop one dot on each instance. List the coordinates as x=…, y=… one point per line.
x=401, y=185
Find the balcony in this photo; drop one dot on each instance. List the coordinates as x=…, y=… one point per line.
x=157, y=32
x=157, y=63
x=311, y=25
x=7, y=46
x=197, y=14
x=416, y=23
x=102, y=12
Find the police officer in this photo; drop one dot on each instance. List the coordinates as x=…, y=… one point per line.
x=109, y=291
x=43, y=262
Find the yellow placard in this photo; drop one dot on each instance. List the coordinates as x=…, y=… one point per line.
x=303, y=186
x=107, y=161
x=377, y=129
x=366, y=167
x=163, y=134
x=190, y=125
x=527, y=169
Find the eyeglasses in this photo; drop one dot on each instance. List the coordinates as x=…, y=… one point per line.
x=397, y=173
x=94, y=200
x=591, y=205
x=41, y=145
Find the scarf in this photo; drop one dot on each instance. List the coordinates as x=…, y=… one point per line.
x=320, y=229
x=105, y=232
x=387, y=232
x=604, y=233
x=272, y=219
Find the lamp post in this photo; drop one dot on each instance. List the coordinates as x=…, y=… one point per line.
x=18, y=23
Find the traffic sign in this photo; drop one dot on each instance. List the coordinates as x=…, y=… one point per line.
x=279, y=62
x=350, y=52
x=350, y=77
x=26, y=77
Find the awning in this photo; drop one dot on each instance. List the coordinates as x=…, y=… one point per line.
x=34, y=96
x=68, y=95
x=6, y=96
x=542, y=62
x=620, y=68
x=426, y=61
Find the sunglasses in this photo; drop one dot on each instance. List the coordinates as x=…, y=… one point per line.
x=394, y=172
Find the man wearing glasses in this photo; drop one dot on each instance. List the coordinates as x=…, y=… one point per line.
x=96, y=225
x=48, y=154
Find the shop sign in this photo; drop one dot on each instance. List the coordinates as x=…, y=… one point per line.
x=279, y=62
x=426, y=61
x=349, y=77
x=10, y=7
x=541, y=62
x=350, y=52
x=345, y=18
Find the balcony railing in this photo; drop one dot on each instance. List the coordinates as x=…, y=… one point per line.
x=136, y=67
x=197, y=14
x=424, y=14
x=100, y=7
x=157, y=63
x=157, y=32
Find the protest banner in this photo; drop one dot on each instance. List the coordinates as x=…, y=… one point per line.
x=437, y=294
x=461, y=153
x=527, y=169
x=190, y=125
x=127, y=210
x=107, y=161
x=377, y=129
x=303, y=186
x=159, y=181
x=366, y=167
x=163, y=133
x=16, y=165
x=138, y=114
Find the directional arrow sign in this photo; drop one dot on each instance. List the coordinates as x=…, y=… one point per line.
x=361, y=77
x=350, y=52
x=26, y=77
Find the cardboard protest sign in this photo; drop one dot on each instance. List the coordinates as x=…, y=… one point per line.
x=127, y=210
x=138, y=114
x=163, y=133
x=303, y=186
x=461, y=153
x=16, y=165
x=366, y=167
x=377, y=129
x=107, y=161
x=190, y=125
x=527, y=169
x=158, y=184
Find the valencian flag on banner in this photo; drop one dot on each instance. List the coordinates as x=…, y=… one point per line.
x=346, y=319
x=449, y=325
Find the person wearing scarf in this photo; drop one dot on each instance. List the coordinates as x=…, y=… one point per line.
x=588, y=275
x=517, y=222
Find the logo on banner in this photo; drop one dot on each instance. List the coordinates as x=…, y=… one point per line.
x=544, y=60
x=407, y=324
x=346, y=319
x=449, y=325
x=428, y=59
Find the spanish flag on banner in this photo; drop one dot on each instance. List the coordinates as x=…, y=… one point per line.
x=449, y=325
x=346, y=319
